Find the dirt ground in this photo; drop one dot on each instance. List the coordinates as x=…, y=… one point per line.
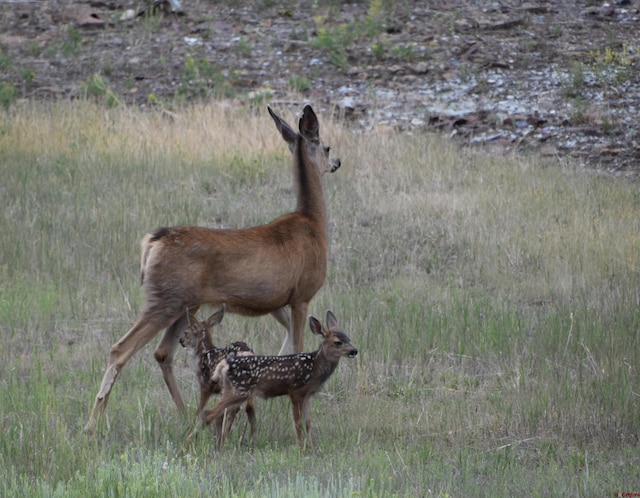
x=558, y=77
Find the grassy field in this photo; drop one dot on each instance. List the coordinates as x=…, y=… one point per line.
x=495, y=303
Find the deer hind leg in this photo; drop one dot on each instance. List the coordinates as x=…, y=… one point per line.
x=138, y=336
x=251, y=415
x=229, y=417
x=307, y=420
x=164, y=354
x=230, y=404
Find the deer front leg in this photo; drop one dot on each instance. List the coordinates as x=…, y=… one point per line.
x=298, y=322
x=205, y=394
x=300, y=412
x=296, y=411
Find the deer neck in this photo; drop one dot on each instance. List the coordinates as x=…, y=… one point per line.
x=311, y=201
x=322, y=367
x=204, y=344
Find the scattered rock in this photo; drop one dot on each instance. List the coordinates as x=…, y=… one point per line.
x=91, y=20
x=518, y=75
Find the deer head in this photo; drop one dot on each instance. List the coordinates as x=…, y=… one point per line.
x=310, y=132
x=335, y=343
x=196, y=331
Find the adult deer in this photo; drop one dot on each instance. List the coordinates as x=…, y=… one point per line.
x=299, y=376
x=254, y=271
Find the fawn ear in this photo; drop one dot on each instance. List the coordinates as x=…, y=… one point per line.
x=285, y=130
x=316, y=326
x=191, y=318
x=308, y=125
x=332, y=321
x=216, y=318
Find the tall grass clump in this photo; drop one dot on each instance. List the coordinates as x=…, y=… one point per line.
x=495, y=302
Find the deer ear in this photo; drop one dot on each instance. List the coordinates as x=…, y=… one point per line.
x=332, y=321
x=216, y=318
x=308, y=125
x=285, y=130
x=316, y=326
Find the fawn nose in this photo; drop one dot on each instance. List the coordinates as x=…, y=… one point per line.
x=353, y=353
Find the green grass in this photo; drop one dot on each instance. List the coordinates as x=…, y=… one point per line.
x=494, y=301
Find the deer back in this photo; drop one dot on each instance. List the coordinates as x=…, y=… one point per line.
x=302, y=373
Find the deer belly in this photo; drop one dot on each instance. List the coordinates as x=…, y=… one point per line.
x=257, y=299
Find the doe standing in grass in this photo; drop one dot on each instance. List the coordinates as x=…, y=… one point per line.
x=254, y=271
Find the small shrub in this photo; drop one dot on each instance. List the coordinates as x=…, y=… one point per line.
x=28, y=75
x=72, y=43
x=203, y=78
x=574, y=85
x=302, y=35
x=299, y=83
x=378, y=50
x=243, y=48
x=334, y=42
x=611, y=66
x=8, y=95
x=260, y=97
x=98, y=86
x=578, y=111
x=5, y=63
x=406, y=52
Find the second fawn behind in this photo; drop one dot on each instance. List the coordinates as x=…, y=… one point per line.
x=299, y=376
x=206, y=357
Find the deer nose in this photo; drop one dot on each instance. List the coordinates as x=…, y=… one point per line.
x=353, y=353
x=336, y=164
x=182, y=342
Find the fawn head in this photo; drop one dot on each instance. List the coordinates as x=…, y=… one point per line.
x=336, y=344
x=309, y=129
x=196, y=330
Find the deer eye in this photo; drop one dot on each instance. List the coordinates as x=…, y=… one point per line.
x=327, y=150
x=337, y=343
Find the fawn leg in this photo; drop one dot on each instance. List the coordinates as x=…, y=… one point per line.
x=251, y=415
x=307, y=419
x=217, y=413
x=300, y=411
x=205, y=394
x=296, y=411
